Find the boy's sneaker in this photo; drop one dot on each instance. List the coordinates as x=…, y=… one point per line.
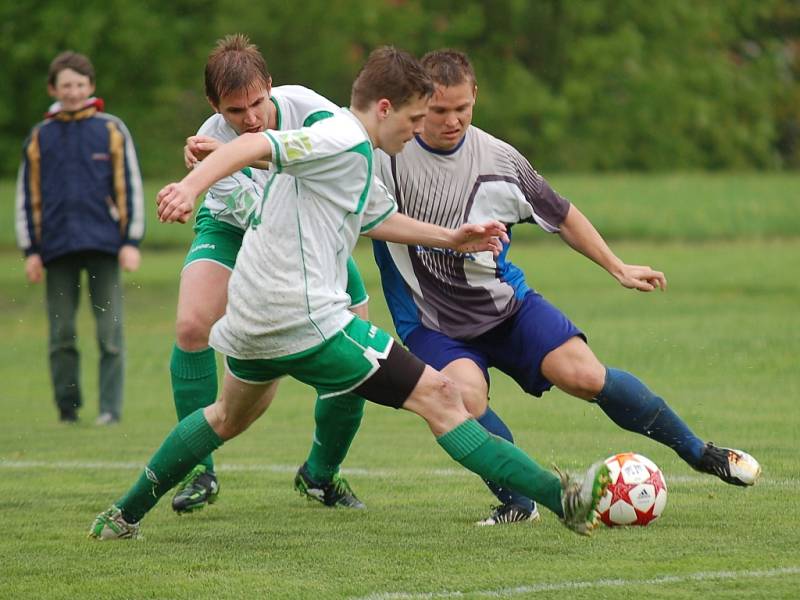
x=336, y=492
x=198, y=488
x=110, y=525
x=579, y=499
x=68, y=415
x=106, y=418
x=732, y=466
x=510, y=513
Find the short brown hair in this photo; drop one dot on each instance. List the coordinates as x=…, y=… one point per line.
x=449, y=67
x=70, y=60
x=392, y=74
x=234, y=64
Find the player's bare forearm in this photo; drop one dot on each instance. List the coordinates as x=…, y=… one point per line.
x=198, y=147
x=468, y=238
x=581, y=235
x=405, y=230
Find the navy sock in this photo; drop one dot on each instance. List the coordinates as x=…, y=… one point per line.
x=631, y=405
x=494, y=424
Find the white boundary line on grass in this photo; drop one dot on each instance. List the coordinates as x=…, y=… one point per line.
x=77, y=465
x=585, y=585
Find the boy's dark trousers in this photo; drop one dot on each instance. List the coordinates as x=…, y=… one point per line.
x=63, y=282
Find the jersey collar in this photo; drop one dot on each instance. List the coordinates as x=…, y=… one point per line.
x=278, y=116
x=453, y=150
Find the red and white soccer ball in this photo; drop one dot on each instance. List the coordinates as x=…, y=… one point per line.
x=637, y=494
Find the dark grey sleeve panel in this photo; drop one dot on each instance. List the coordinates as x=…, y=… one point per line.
x=546, y=202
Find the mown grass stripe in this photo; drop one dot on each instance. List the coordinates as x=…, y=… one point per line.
x=74, y=465
x=585, y=585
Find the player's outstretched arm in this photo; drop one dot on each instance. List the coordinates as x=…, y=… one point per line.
x=469, y=237
x=580, y=234
x=199, y=146
x=176, y=200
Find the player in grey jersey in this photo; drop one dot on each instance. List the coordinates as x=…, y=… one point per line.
x=464, y=313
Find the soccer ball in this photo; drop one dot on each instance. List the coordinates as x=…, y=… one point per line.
x=637, y=494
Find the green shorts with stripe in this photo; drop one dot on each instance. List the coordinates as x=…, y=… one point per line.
x=219, y=242
x=361, y=358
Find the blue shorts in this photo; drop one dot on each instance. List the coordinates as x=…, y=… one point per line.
x=516, y=347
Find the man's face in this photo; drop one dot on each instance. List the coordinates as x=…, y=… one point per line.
x=399, y=125
x=71, y=89
x=449, y=115
x=247, y=110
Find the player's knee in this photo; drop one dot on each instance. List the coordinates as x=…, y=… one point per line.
x=475, y=401
x=191, y=333
x=588, y=380
x=448, y=394
x=444, y=403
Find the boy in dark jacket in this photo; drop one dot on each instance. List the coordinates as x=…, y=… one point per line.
x=80, y=207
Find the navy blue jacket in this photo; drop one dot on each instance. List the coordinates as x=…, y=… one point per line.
x=79, y=186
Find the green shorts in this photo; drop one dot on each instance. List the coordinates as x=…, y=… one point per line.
x=336, y=366
x=214, y=240
x=219, y=242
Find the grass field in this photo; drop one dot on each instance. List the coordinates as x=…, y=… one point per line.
x=721, y=346
x=692, y=207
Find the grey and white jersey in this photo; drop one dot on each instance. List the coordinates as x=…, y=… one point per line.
x=460, y=295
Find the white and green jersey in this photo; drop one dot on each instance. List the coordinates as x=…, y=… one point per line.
x=287, y=293
x=232, y=199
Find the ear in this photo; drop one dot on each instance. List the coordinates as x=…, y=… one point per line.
x=51, y=91
x=382, y=108
x=91, y=89
x=214, y=106
x=475, y=92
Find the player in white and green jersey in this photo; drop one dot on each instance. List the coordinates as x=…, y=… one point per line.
x=239, y=88
x=293, y=261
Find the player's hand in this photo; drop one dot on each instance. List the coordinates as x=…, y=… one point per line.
x=197, y=148
x=644, y=279
x=129, y=258
x=489, y=236
x=175, y=203
x=34, y=269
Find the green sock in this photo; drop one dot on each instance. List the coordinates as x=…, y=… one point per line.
x=337, y=420
x=194, y=384
x=191, y=438
x=495, y=459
